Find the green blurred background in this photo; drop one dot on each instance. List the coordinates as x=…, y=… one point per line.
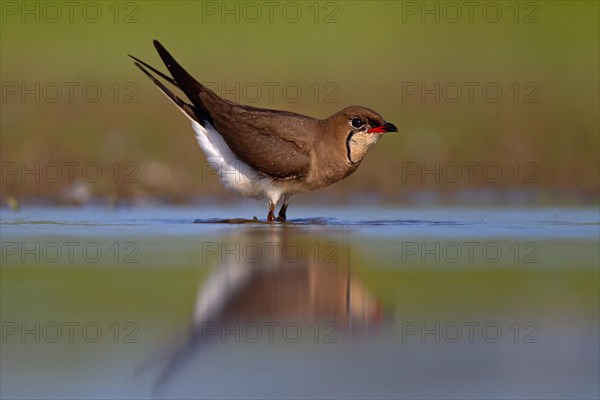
x=541, y=134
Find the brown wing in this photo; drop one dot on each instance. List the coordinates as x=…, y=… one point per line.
x=277, y=143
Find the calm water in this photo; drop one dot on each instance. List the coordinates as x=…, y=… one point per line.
x=341, y=302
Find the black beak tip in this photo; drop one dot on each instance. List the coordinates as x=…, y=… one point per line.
x=390, y=127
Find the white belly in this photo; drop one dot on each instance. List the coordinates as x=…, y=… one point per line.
x=235, y=174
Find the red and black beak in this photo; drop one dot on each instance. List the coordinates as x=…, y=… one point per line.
x=387, y=127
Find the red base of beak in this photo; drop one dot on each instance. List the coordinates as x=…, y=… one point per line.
x=387, y=127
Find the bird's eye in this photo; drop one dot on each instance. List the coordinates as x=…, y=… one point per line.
x=357, y=122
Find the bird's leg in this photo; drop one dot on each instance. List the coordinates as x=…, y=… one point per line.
x=281, y=217
x=271, y=214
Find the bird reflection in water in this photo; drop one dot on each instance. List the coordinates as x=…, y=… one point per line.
x=271, y=283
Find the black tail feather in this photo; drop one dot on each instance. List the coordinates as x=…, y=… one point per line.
x=191, y=87
x=185, y=107
x=157, y=72
x=180, y=79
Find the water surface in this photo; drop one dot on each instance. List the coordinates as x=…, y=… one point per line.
x=345, y=302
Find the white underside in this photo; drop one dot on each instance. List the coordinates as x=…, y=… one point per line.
x=235, y=174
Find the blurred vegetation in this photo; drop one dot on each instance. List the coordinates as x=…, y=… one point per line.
x=372, y=52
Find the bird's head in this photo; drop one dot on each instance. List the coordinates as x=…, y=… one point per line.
x=360, y=128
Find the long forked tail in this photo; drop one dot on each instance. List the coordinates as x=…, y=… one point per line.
x=181, y=80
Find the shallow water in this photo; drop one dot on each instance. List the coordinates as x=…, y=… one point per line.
x=340, y=302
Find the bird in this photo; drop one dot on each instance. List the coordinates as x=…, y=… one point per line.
x=269, y=154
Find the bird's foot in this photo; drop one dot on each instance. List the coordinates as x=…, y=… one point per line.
x=281, y=217
x=271, y=214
